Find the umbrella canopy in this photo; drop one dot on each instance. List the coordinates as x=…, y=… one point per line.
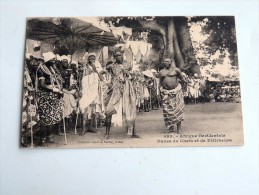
x=72, y=33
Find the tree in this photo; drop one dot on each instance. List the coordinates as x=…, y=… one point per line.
x=169, y=36
x=221, y=35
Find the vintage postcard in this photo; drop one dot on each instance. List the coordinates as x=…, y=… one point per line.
x=147, y=81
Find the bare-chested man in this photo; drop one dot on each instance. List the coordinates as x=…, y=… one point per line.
x=172, y=95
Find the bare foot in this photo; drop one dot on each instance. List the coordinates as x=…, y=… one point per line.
x=179, y=131
x=83, y=132
x=135, y=136
x=170, y=130
x=106, y=136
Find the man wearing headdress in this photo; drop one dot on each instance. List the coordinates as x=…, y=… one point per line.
x=49, y=96
x=121, y=96
x=172, y=95
x=69, y=88
x=91, y=100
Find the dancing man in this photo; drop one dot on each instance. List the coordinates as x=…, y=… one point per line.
x=172, y=95
x=121, y=96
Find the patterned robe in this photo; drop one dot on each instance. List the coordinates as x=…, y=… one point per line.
x=121, y=95
x=50, y=104
x=173, y=105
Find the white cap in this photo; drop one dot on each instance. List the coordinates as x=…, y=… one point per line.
x=64, y=57
x=58, y=57
x=153, y=70
x=48, y=56
x=86, y=55
x=28, y=55
x=36, y=44
x=91, y=54
x=74, y=62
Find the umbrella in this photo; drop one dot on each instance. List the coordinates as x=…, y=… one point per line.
x=72, y=33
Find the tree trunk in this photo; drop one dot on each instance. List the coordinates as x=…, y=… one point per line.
x=172, y=45
x=185, y=43
x=177, y=41
x=170, y=52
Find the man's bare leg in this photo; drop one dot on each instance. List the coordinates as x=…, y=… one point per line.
x=89, y=124
x=108, y=126
x=58, y=129
x=134, y=134
x=67, y=124
x=84, y=124
x=179, y=127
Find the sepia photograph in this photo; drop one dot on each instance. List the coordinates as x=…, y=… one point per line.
x=135, y=81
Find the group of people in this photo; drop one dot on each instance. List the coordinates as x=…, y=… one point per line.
x=195, y=88
x=200, y=90
x=59, y=93
x=224, y=93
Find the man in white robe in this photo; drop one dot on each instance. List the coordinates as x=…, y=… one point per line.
x=91, y=100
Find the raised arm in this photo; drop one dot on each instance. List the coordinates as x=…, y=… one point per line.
x=99, y=73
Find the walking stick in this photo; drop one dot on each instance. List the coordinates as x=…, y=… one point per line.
x=77, y=112
x=64, y=125
x=31, y=123
x=150, y=102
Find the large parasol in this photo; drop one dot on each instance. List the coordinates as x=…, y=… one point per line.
x=72, y=33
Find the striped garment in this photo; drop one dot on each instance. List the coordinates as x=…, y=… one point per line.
x=173, y=105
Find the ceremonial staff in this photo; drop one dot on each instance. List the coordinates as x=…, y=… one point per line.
x=150, y=101
x=78, y=104
x=63, y=115
x=30, y=109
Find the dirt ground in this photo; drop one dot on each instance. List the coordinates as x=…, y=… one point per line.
x=202, y=121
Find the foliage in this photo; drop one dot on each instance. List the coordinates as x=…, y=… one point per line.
x=221, y=35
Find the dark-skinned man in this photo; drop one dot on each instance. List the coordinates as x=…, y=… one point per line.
x=172, y=95
x=121, y=95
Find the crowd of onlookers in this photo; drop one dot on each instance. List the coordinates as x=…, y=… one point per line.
x=201, y=90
